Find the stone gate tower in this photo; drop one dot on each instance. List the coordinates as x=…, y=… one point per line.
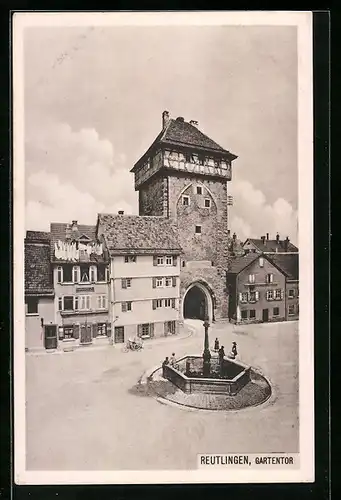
x=184, y=175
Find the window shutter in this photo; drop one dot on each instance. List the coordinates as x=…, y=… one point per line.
x=76, y=331
x=139, y=330
x=282, y=294
x=151, y=329
x=173, y=303
x=154, y=260
x=174, y=280
x=124, y=306
x=124, y=283
x=175, y=260
x=108, y=329
x=267, y=295
x=154, y=282
x=94, y=330
x=257, y=295
x=154, y=304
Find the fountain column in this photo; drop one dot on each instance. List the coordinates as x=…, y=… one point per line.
x=206, y=354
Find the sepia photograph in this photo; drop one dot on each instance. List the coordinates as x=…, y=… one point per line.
x=163, y=247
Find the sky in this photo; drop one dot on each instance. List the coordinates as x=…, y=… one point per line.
x=94, y=97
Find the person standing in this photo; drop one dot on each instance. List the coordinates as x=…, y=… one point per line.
x=221, y=354
x=234, y=349
x=173, y=359
x=216, y=345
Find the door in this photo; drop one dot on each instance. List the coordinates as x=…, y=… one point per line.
x=85, y=337
x=265, y=315
x=50, y=336
x=119, y=334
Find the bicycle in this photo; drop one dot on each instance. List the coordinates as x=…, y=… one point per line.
x=132, y=346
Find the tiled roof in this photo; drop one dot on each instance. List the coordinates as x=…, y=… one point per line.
x=38, y=277
x=181, y=133
x=38, y=236
x=240, y=263
x=131, y=233
x=272, y=245
x=58, y=233
x=287, y=263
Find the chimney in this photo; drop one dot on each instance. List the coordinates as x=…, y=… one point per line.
x=286, y=243
x=234, y=236
x=194, y=123
x=74, y=226
x=180, y=119
x=263, y=239
x=267, y=236
x=228, y=233
x=165, y=119
x=277, y=238
x=121, y=212
x=68, y=231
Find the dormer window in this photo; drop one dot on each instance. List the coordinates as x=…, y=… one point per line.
x=207, y=203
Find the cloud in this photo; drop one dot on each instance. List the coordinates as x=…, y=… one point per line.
x=74, y=174
x=252, y=216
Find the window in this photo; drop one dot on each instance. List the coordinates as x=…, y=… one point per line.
x=76, y=274
x=93, y=274
x=168, y=303
x=160, y=261
x=126, y=306
x=159, y=282
x=201, y=160
x=269, y=278
x=101, y=329
x=32, y=305
x=168, y=281
x=68, y=303
x=197, y=229
x=60, y=303
x=68, y=332
x=157, y=303
x=261, y=262
x=130, y=258
x=207, y=203
x=270, y=295
x=67, y=274
x=291, y=310
x=102, y=273
x=252, y=313
x=243, y=297
x=170, y=327
x=216, y=162
x=59, y=274
x=278, y=294
x=199, y=190
x=276, y=311
x=291, y=293
x=169, y=260
x=145, y=329
x=185, y=200
x=252, y=297
x=102, y=302
x=85, y=272
x=83, y=302
x=126, y=282
x=244, y=314
x=251, y=278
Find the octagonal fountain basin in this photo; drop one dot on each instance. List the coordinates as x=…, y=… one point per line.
x=188, y=376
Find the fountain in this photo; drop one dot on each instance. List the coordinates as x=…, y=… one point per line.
x=208, y=374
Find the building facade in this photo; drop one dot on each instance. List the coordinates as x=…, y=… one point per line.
x=144, y=275
x=262, y=289
x=184, y=176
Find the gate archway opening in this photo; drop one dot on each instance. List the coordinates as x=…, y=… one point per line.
x=197, y=303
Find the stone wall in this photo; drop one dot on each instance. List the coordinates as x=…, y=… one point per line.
x=151, y=197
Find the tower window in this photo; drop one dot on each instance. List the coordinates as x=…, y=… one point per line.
x=197, y=229
x=207, y=203
x=199, y=190
x=201, y=159
x=185, y=200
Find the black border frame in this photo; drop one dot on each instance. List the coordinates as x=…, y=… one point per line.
x=318, y=490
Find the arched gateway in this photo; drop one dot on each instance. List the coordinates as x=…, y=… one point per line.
x=198, y=302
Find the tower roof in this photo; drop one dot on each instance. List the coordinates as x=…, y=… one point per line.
x=178, y=132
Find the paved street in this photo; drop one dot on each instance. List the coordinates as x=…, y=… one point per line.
x=84, y=412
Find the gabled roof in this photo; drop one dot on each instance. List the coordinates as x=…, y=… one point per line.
x=125, y=234
x=181, y=133
x=240, y=263
x=38, y=276
x=272, y=245
x=287, y=263
x=58, y=233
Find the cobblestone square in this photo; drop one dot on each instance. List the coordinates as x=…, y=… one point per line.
x=84, y=412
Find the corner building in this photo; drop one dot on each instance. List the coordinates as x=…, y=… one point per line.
x=184, y=176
